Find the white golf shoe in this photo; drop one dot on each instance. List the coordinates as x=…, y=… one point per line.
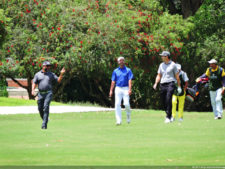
x=167, y=120
x=172, y=119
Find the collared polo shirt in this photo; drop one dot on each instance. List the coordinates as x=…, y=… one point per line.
x=213, y=70
x=168, y=72
x=122, y=76
x=45, y=80
x=184, y=76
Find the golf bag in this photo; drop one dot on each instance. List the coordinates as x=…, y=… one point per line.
x=193, y=93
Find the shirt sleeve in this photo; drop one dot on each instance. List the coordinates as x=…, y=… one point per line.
x=207, y=73
x=55, y=77
x=113, y=76
x=223, y=78
x=159, y=69
x=130, y=75
x=35, y=80
x=223, y=73
x=175, y=69
x=185, y=77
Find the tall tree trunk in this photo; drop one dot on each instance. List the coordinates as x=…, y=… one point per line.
x=189, y=7
x=28, y=87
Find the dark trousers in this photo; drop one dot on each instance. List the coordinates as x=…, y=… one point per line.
x=44, y=100
x=166, y=93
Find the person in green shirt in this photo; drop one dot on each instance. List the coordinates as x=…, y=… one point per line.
x=216, y=76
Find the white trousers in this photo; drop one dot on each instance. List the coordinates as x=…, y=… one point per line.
x=122, y=93
x=216, y=102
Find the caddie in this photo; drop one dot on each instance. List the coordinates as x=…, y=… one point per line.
x=216, y=77
x=180, y=98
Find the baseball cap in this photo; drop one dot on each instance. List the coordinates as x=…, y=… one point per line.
x=165, y=53
x=120, y=58
x=46, y=63
x=212, y=61
x=178, y=66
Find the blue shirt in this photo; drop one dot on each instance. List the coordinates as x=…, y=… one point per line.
x=122, y=76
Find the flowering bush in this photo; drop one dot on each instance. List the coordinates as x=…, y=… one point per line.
x=86, y=37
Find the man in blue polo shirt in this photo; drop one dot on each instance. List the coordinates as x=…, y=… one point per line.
x=122, y=78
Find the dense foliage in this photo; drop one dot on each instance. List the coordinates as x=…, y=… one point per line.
x=206, y=42
x=86, y=37
x=3, y=87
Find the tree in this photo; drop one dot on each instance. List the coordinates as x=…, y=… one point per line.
x=139, y=31
x=86, y=37
x=38, y=34
x=205, y=42
x=3, y=27
x=183, y=7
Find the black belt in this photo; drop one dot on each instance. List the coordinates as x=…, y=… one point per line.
x=44, y=91
x=167, y=83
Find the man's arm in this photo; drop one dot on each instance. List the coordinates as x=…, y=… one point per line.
x=178, y=83
x=33, y=88
x=130, y=87
x=201, y=77
x=61, y=75
x=185, y=86
x=178, y=79
x=157, y=80
x=223, y=82
x=111, y=88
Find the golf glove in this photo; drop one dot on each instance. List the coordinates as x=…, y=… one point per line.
x=198, y=80
x=179, y=90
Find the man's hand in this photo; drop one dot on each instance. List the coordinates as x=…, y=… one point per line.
x=179, y=90
x=129, y=92
x=155, y=86
x=33, y=92
x=61, y=74
x=223, y=91
x=198, y=80
x=63, y=70
x=33, y=89
x=110, y=93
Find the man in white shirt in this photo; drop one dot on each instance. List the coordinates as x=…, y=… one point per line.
x=167, y=75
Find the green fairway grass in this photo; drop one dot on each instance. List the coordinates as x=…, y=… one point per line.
x=94, y=139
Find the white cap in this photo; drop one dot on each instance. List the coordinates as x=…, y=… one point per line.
x=212, y=61
x=178, y=66
x=120, y=58
x=46, y=63
x=165, y=53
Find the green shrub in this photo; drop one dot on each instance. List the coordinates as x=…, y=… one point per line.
x=3, y=88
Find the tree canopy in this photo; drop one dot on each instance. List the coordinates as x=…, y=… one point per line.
x=86, y=37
